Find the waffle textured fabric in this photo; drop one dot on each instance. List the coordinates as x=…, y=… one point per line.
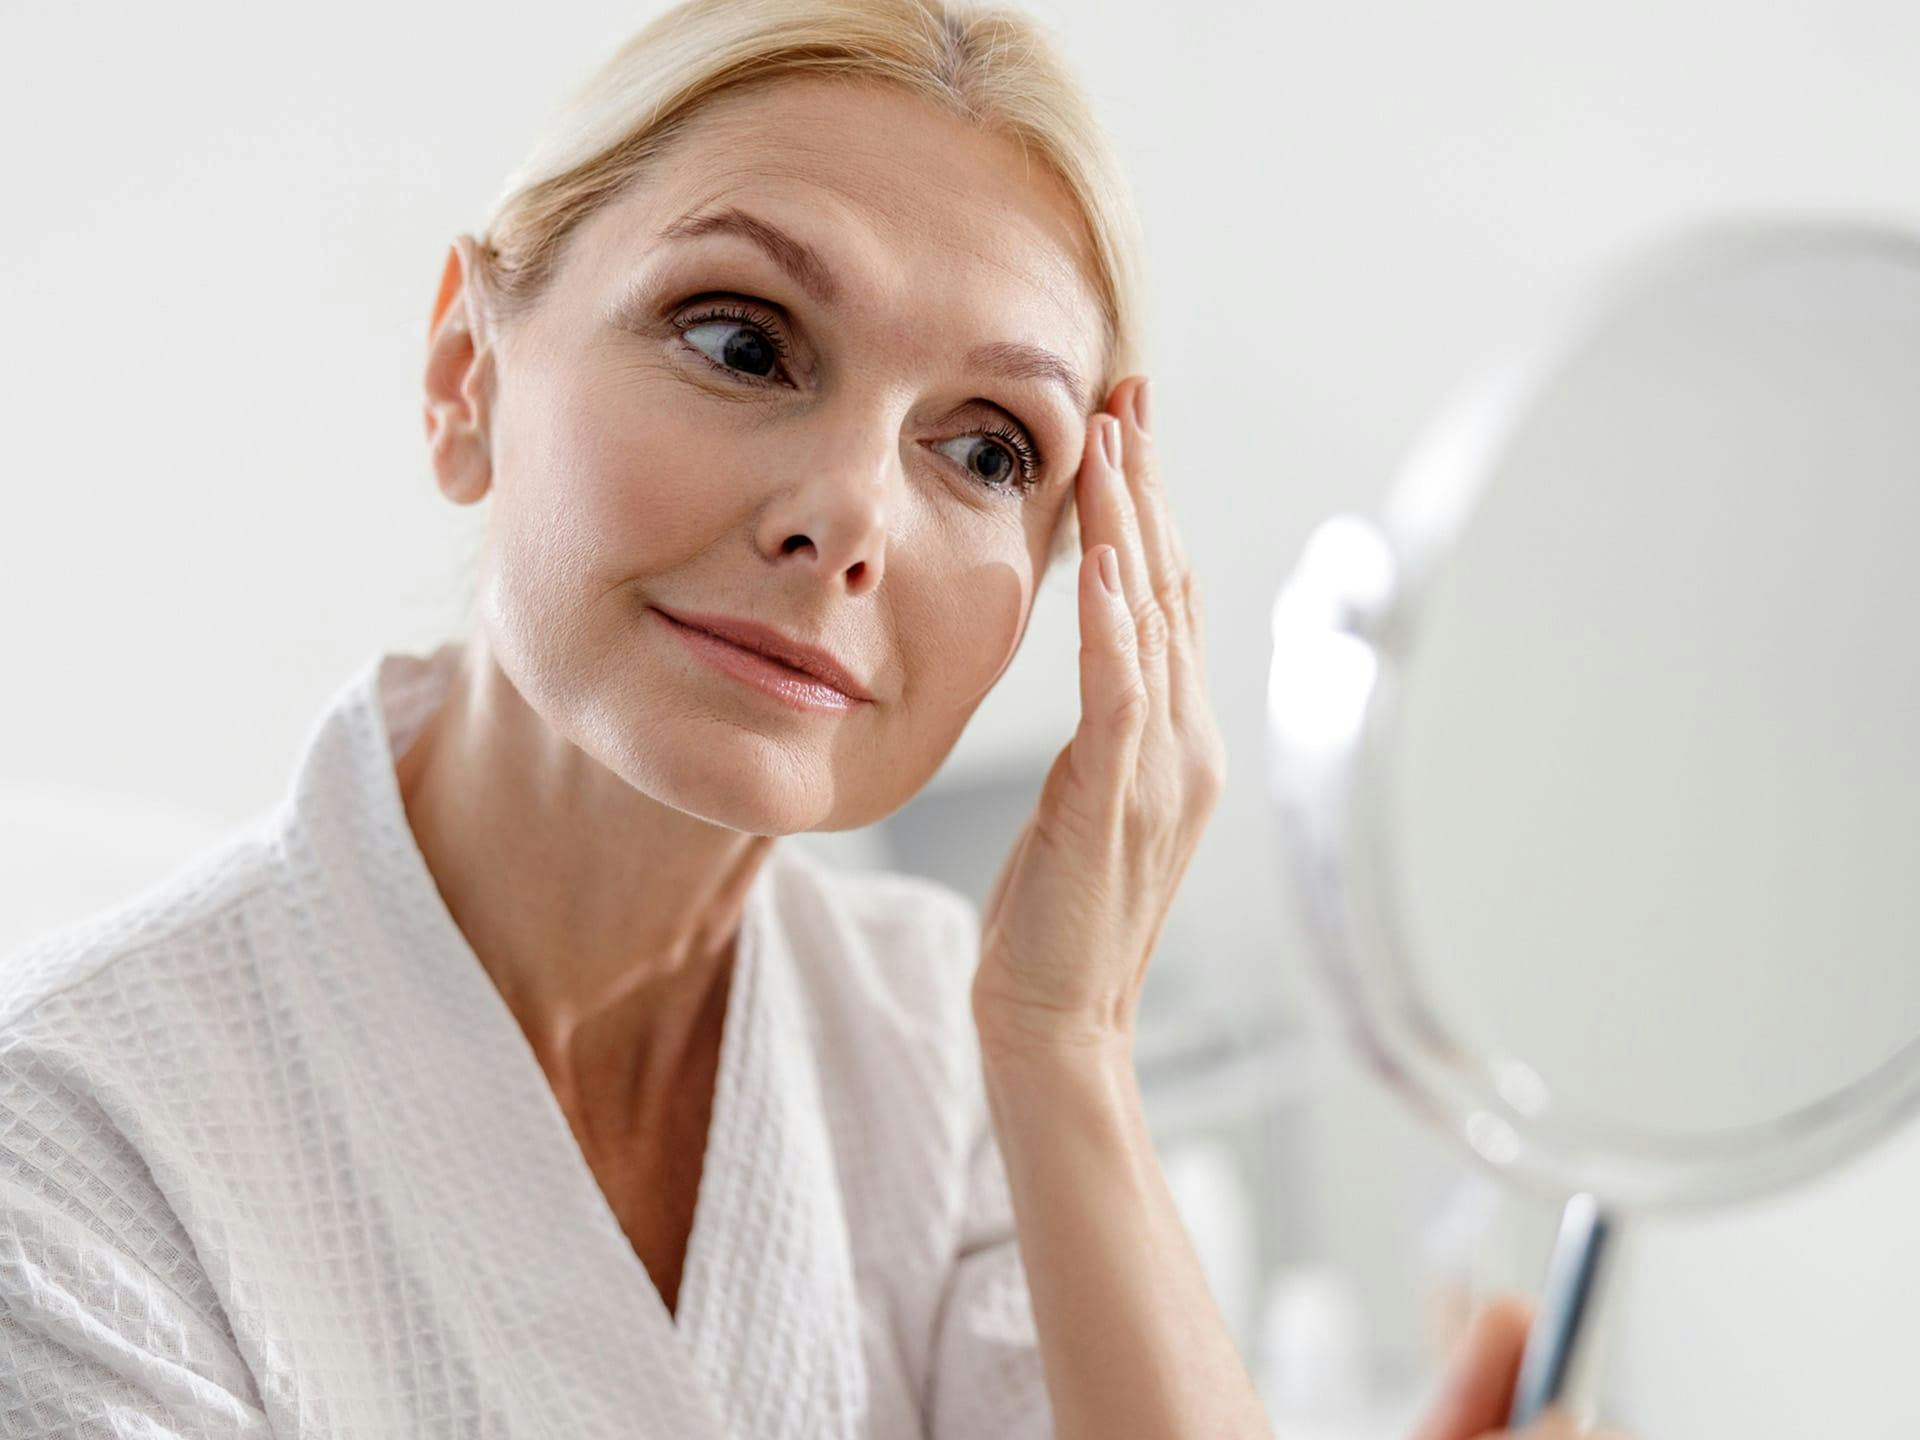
x=277, y=1160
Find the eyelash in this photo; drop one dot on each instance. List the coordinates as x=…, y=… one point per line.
x=1026, y=454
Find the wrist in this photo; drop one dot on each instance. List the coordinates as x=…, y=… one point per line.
x=1037, y=1062
x=1012, y=1036
x=1064, y=1099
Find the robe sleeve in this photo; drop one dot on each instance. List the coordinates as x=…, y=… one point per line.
x=95, y=1341
x=94, y=1344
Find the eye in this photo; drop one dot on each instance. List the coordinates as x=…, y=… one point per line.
x=748, y=344
x=742, y=343
x=1011, y=461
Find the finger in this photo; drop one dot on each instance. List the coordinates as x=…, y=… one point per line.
x=1171, y=577
x=1113, y=700
x=1478, y=1388
x=1158, y=541
x=1107, y=516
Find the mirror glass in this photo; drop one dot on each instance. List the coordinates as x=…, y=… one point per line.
x=1652, y=823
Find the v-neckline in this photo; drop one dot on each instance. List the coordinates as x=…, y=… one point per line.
x=571, y=1171
x=620, y=1293
x=767, y=1335
x=606, y=1286
x=741, y=994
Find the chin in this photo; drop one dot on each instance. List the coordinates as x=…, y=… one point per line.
x=732, y=776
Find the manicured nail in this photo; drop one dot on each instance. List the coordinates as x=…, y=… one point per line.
x=1142, y=413
x=1111, y=440
x=1109, y=570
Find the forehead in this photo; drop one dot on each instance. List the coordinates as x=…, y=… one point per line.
x=906, y=203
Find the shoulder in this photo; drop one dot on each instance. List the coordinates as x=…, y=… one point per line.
x=166, y=926
x=99, y=1020
x=102, y=1017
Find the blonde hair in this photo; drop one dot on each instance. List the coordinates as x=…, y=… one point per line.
x=990, y=66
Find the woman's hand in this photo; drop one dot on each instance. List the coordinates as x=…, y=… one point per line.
x=1071, y=921
x=1474, y=1397
x=1131, y=1340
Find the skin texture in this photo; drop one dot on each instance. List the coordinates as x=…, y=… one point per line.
x=593, y=803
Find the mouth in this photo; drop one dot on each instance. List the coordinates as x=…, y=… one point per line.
x=800, y=689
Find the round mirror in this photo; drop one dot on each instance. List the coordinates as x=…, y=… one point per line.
x=1598, y=757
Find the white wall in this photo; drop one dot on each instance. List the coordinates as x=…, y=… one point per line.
x=224, y=225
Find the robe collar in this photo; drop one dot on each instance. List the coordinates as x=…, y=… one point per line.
x=502, y=1215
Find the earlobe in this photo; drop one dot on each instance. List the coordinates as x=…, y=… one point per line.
x=462, y=464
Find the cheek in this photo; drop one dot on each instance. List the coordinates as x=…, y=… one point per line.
x=968, y=631
x=609, y=486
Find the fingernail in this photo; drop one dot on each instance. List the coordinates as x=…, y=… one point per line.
x=1111, y=439
x=1141, y=408
x=1109, y=570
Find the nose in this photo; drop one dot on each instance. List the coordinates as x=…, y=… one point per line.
x=834, y=518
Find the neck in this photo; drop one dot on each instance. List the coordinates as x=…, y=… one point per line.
x=606, y=919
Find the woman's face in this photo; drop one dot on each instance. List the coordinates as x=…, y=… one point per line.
x=855, y=447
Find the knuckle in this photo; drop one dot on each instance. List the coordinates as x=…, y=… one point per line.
x=1149, y=470
x=1175, y=592
x=1153, y=797
x=1205, y=782
x=1210, y=774
x=1131, y=709
x=1207, y=764
x=1151, y=628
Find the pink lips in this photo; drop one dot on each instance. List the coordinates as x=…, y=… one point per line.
x=803, y=689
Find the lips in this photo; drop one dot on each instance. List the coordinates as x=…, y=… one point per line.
x=822, y=665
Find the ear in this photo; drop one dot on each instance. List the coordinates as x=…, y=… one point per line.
x=460, y=355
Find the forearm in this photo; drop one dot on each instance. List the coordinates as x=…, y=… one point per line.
x=1131, y=1339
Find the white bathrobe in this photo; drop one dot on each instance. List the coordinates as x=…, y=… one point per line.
x=276, y=1159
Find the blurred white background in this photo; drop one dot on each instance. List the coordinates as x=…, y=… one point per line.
x=224, y=229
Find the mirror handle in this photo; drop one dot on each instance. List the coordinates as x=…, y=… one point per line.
x=1567, y=1304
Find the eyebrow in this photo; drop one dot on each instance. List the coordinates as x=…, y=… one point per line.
x=1011, y=359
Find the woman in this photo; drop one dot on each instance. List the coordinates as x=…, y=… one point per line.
x=509, y=1079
